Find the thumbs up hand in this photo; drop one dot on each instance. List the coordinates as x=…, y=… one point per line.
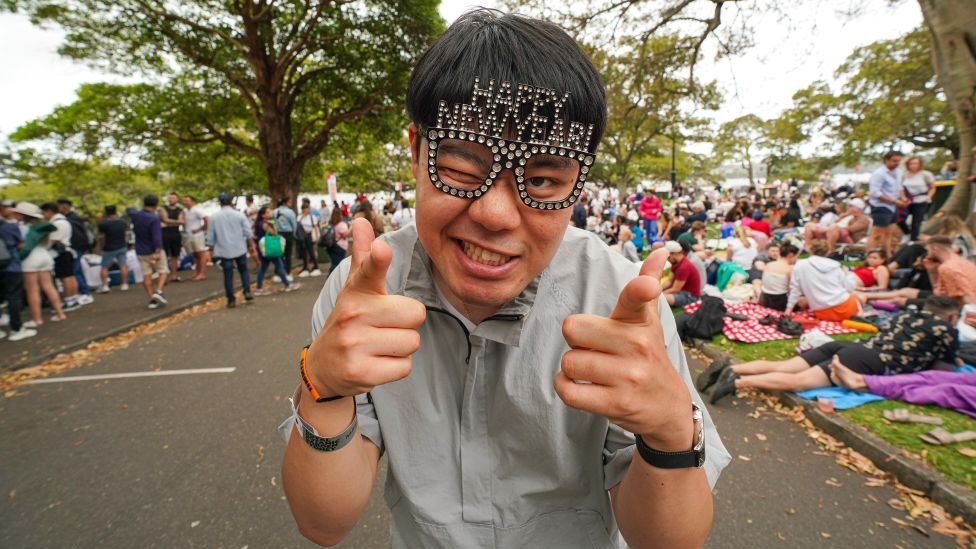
x=622, y=359
x=369, y=336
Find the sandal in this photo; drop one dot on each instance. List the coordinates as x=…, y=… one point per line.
x=904, y=415
x=941, y=437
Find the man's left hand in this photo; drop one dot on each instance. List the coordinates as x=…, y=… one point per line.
x=624, y=360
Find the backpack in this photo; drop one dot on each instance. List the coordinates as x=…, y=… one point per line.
x=81, y=233
x=707, y=322
x=5, y=256
x=328, y=238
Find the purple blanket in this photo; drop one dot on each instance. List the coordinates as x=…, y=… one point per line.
x=952, y=390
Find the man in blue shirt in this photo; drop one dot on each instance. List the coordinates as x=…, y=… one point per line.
x=286, y=222
x=884, y=191
x=229, y=236
x=11, y=277
x=148, y=231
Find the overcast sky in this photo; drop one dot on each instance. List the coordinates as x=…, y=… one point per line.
x=34, y=79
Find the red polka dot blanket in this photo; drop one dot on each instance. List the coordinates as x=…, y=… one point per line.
x=751, y=331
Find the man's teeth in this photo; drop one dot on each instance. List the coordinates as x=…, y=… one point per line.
x=482, y=255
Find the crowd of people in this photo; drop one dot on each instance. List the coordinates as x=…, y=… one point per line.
x=847, y=254
x=53, y=257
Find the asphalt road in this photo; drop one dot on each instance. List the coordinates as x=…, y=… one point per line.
x=194, y=460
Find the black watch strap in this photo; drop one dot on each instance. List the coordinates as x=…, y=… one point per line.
x=666, y=460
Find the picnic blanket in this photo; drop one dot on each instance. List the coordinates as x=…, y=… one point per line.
x=844, y=399
x=751, y=331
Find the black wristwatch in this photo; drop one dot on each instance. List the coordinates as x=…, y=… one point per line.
x=678, y=460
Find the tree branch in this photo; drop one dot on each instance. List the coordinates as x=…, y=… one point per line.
x=315, y=145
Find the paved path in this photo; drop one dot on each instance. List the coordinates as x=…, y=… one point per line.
x=194, y=460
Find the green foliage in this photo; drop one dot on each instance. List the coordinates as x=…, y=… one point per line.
x=649, y=101
x=233, y=90
x=888, y=94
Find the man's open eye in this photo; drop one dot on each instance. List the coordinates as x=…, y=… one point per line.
x=540, y=182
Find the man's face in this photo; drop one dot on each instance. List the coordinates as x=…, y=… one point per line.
x=675, y=257
x=937, y=253
x=64, y=209
x=172, y=200
x=187, y=201
x=893, y=162
x=772, y=253
x=48, y=214
x=485, y=251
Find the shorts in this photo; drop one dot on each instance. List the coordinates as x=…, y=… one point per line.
x=882, y=217
x=684, y=298
x=150, y=266
x=64, y=265
x=852, y=354
x=172, y=243
x=196, y=243
x=39, y=260
x=919, y=302
x=774, y=301
x=112, y=256
x=840, y=312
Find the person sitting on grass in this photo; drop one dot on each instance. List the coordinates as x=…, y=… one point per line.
x=849, y=228
x=773, y=285
x=914, y=340
x=873, y=275
x=684, y=285
x=950, y=274
x=695, y=238
x=820, y=284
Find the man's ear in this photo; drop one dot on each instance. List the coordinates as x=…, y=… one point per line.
x=414, y=137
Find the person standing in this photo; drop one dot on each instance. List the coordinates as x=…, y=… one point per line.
x=60, y=249
x=650, y=208
x=37, y=264
x=111, y=233
x=579, y=214
x=340, y=230
x=172, y=219
x=264, y=227
x=884, y=192
x=306, y=239
x=918, y=185
x=230, y=237
x=81, y=244
x=286, y=222
x=12, y=277
x=195, y=224
x=403, y=216
x=149, y=247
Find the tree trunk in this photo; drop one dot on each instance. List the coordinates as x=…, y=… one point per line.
x=952, y=24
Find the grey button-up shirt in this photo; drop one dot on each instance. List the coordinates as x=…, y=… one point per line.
x=228, y=232
x=482, y=452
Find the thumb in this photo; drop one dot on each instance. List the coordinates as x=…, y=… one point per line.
x=370, y=259
x=638, y=300
x=654, y=264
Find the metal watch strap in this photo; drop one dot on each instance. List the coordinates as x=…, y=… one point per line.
x=677, y=460
x=325, y=444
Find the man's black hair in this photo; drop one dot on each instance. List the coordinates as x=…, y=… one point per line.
x=65, y=202
x=50, y=207
x=941, y=306
x=891, y=154
x=506, y=47
x=685, y=247
x=111, y=209
x=150, y=201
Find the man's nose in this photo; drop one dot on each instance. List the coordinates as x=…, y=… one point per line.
x=499, y=209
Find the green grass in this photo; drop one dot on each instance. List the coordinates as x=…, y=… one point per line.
x=946, y=459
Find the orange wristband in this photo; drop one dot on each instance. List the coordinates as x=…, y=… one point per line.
x=308, y=382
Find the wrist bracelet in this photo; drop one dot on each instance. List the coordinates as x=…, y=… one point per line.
x=308, y=382
x=320, y=443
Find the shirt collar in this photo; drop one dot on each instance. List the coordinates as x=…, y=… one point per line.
x=505, y=326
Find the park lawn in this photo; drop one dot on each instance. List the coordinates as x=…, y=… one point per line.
x=946, y=459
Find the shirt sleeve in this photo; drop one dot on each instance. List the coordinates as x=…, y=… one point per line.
x=157, y=233
x=211, y=234
x=618, y=449
x=874, y=185
x=795, y=292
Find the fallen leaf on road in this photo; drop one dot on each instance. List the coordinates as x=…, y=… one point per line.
x=968, y=452
x=833, y=482
x=12, y=494
x=194, y=524
x=761, y=437
x=745, y=458
x=875, y=482
x=781, y=536
x=825, y=535
x=872, y=498
x=274, y=482
x=260, y=453
x=791, y=511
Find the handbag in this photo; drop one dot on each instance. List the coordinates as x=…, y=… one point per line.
x=787, y=326
x=272, y=246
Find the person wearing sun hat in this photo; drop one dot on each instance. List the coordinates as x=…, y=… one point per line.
x=37, y=264
x=12, y=276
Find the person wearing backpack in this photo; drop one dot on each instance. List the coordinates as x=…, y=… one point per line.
x=266, y=232
x=11, y=275
x=82, y=240
x=286, y=222
x=63, y=253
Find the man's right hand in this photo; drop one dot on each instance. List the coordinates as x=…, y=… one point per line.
x=369, y=336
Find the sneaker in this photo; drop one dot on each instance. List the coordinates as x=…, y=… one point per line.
x=153, y=304
x=158, y=296
x=316, y=272
x=4, y=319
x=231, y=304
x=22, y=333
x=261, y=291
x=293, y=287
x=30, y=324
x=73, y=306
x=248, y=297
x=303, y=274
x=3, y=334
x=85, y=299
x=103, y=289
x=124, y=287
x=291, y=278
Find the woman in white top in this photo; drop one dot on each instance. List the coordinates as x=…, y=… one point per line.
x=742, y=249
x=918, y=185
